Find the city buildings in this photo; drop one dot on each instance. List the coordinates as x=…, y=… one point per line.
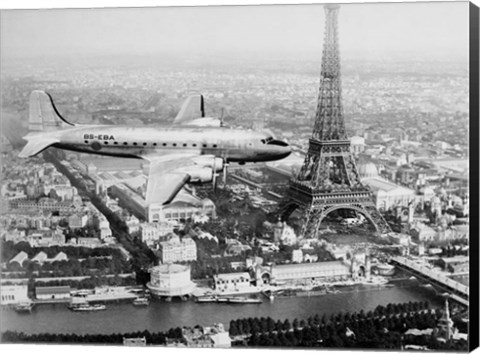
x=202, y=337
x=386, y=194
x=235, y=248
x=306, y=272
x=232, y=282
x=177, y=250
x=304, y=256
x=19, y=259
x=183, y=207
x=40, y=257
x=52, y=292
x=154, y=232
x=284, y=234
x=13, y=294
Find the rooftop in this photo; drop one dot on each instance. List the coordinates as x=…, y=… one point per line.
x=42, y=290
x=171, y=268
x=232, y=275
x=378, y=183
x=309, y=267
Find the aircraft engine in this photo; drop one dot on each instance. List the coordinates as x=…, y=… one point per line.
x=200, y=174
x=210, y=161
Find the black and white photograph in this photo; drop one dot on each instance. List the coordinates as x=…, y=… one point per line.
x=250, y=176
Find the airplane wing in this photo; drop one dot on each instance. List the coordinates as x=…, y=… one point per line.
x=192, y=109
x=166, y=177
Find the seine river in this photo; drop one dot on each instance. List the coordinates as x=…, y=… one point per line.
x=161, y=316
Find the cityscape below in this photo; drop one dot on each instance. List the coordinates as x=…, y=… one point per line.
x=223, y=264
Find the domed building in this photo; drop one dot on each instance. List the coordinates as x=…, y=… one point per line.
x=386, y=194
x=168, y=280
x=367, y=170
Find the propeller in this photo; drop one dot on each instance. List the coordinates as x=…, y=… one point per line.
x=221, y=117
x=225, y=165
x=214, y=175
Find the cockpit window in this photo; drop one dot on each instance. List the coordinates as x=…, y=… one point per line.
x=267, y=140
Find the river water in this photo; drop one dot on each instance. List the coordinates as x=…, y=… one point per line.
x=161, y=316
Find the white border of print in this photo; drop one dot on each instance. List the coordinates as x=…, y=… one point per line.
x=31, y=4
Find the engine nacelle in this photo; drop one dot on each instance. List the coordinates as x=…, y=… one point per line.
x=199, y=174
x=209, y=161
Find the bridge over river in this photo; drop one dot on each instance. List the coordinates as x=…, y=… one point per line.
x=456, y=290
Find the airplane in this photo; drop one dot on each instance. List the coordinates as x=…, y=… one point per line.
x=194, y=149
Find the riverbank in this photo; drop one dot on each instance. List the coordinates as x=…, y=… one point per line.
x=123, y=317
x=200, y=291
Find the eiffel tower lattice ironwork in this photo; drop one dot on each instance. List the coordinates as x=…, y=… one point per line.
x=328, y=179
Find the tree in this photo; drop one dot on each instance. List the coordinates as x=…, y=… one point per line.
x=278, y=326
x=263, y=325
x=233, y=330
x=253, y=341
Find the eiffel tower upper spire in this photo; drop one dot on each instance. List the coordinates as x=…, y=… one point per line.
x=329, y=122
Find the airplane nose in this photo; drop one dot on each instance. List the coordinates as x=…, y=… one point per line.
x=281, y=147
x=287, y=150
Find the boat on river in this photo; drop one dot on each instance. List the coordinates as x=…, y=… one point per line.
x=228, y=300
x=24, y=307
x=86, y=307
x=205, y=299
x=141, y=301
x=243, y=300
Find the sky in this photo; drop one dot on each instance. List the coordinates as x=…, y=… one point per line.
x=367, y=31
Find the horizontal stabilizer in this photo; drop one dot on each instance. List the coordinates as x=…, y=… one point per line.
x=36, y=145
x=192, y=108
x=204, y=122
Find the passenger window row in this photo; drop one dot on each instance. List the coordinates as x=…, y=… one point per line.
x=155, y=144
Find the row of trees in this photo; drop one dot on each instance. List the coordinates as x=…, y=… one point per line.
x=87, y=283
x=250, y=325
x=157, y=338
x=9, y=249
x=69, y=268
x=381, y=328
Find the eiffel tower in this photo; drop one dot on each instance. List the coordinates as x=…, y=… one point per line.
x=328, y=179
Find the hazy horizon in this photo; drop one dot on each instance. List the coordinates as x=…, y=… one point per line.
x=436, y=31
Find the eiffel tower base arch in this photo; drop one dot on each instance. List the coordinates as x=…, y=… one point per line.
x=313, y=215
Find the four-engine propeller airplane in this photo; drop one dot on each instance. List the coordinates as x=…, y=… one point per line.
x=194, y=148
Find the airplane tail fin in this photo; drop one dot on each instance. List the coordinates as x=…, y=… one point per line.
x=43, y=115
x=192, y=108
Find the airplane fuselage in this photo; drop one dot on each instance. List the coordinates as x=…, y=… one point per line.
x=232, y=145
